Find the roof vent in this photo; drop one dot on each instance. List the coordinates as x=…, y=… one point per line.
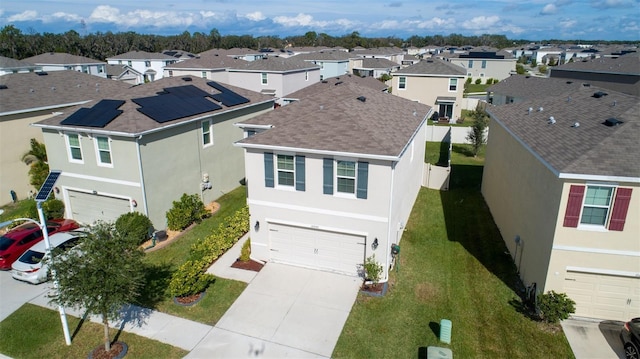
x=569, y=99
x=338, y=83
x=324, y=81
x=552, y=120
x=614, y=103
x=569, y=82
x=586, y=85
x=3, y=87
x=600, y=94
x=362, y=99
x=529, y=110
x=187, y=79
x=540, y=109
x=31, y=90
x=576, y=124
x=612, y=122
x=53, y=88
x=42, y=73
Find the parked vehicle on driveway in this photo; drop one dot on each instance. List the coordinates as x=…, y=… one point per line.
x=31, y=266
x=19, y=239
x=630, y=335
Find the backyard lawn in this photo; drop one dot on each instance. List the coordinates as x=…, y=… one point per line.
x=453, y=266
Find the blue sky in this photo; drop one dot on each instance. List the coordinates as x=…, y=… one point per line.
x=532, y=20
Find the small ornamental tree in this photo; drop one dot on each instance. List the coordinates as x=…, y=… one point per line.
x=134, y=225
x=476, y=134
x=105, y=273
x=36, y=159
x=372, y=269
x=554, y=307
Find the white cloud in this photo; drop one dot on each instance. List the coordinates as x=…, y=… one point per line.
x=109, y=14
x=24, y=16
x=549, y=9
x=61, y=16
x=481, y=22
x=255, y=16
x=607, y=4
x=299, y=20
x=567, y=23
x=436, y=23
x=105, y=13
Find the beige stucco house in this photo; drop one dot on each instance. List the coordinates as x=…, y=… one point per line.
x=485, y=63
x=562, y=181
x=332, y=178
x=211, y=65
x=141, y=149
x=433, y=82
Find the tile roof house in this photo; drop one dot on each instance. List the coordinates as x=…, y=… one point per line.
x=433, y=82
x=562, y=182
x=13, y=66
x=332, y=178
x=26, y=98
x=142, y=148
x=210, y=65
x=149, y=64
x=484, y=63
x=332, y=62
x=57, y=61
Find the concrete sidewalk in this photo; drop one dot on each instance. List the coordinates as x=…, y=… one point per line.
x=593, y=339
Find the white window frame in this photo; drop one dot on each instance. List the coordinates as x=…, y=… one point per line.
x=306, y=75
x=204, y=74
x=264, y=79
x=209, y=124
x=454, y=85
x=129, y=62
x=69, y=152
x=321, y=65
x=279, y=185
x=608, y=207
x=484, y=64
x=336, y=190
x=402, y=83
x=98, y=150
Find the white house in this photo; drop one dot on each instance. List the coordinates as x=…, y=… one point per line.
x=56, y=61
x=149, y=64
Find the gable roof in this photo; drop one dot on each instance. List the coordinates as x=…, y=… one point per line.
x=311, y=91
x=9, y=63
x=208, y=61
x=624, y=65
x=335, y=120
x=60, y=58
x=532, y=87
x=27, y=92
x=275, y=64
x=132, y=122
x=376, y=63
x=590, y=150
x=326, y=55
x=432, y=66
x=141, y=55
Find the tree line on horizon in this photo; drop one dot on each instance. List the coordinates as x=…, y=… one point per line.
x=100, y=45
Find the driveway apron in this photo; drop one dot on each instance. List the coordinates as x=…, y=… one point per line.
x=285, y=311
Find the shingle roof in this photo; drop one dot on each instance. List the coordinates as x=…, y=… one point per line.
x=60, y=58
x=335, y=120
x=141, y=55
x=432, y=66
x=591, y=148
x=276, y=64
x=326, y=55
x=310, y=91
x=27, y=91
x=133, y=122
x=625, y=65
x=379, y=51
x=378, y=64
x=9, y=63
x=531, y=87
x=208, y=61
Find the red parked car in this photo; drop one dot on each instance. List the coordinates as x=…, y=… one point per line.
x=19, y=239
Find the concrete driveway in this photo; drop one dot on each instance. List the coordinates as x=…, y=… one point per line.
x=285, y=311
x=13, y=293
x=590, y=339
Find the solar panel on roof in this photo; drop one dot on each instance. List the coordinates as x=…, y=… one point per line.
x=176, y=102
x=47, y=186
x=97, y=116
x=226, y=96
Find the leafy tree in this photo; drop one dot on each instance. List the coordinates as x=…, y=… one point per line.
x=103, y=275
x=36, y=158
x=520, y=69
x=476, y=134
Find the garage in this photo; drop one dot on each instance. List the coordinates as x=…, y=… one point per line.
x=87, y=208
x=604, y=296
x=314, y=248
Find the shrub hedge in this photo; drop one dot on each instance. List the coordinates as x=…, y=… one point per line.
x=189, y=209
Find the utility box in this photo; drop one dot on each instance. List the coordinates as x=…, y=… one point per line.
x=439, y=353
x=445, y=331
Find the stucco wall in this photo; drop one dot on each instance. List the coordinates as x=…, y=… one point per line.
x=427, y=89
x=218, y=75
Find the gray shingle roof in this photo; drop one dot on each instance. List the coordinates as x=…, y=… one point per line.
x=432, y=66
x=335, y=120
x=9, y=63
x=378, y=64
x=133, y=122
x=531, y=87
x=625, y=65
x=27, y=91
x=276, y=64
x=310, y=91
x=591, y=148
x=141, y=55
x=208, y=61
x=60, y=58
x=326, y=55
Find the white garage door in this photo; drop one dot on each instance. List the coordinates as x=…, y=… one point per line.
x=604, y=296
x=325, y=250
x=87, y=208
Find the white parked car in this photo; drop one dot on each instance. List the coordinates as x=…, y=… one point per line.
x=29, y=267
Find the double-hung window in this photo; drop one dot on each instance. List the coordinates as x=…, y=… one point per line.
x=453, y=85
x=103, y=151
x=147, y=63
x=484, y=64
x=470, y=64
x=346, y=177
x=207, y=133
x=402, y=82
x=264, y=78
x=286, y=170
x=597, y=206
x=74, y=148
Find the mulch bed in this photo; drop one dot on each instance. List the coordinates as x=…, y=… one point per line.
x=118, y=350
x=190, y=299
x=248, y=265
x=377, y=290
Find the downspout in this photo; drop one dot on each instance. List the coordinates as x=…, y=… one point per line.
x=389, y=225
x=144, y=191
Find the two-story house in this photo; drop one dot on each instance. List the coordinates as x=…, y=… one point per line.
x=562, y=182
x=141, y=149
x=433, y=82
x=210, y=65
x=149, y=64
x=485, y=63
x=13, y=66
x=332, y=63
x=332, y=178
x=57, y=61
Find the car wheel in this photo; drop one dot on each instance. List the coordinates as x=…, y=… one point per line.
x=630, y=351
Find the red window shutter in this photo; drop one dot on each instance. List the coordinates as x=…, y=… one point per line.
x=620, y=207
x=574, y=205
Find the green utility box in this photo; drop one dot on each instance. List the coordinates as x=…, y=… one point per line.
x=445, y=331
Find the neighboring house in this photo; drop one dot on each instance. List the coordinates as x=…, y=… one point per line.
x=332, y=63
x=409, y=60
x=276, y=76
x=57, y=61
x=124, y=73
x=149, y=64
x=486, y=63
x=562, y=181
x=141, y=149
x=373, y=67
x=332, y=178
x=433, y=82
x=543, y=53
x=241, y=53
x=620, y=74
x=12, y=66
x=26, y=98
x=180, y=55
x=210, y=65
x=519, y=88
x=393, y=54
x=310, y=91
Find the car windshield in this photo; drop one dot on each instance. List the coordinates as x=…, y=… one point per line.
x=5, y=242
x=31, y=257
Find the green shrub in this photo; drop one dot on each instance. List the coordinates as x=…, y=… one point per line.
x=554, y=307
x=188, y=210
x=372, y=269
x=478, y=81
x=52, y=209
x=245, y=252
x=190, y=279
x=134, y=225
x=468, y=81
x=224, y=237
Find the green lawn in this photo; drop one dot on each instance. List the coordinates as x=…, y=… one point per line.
x=452, y=266
x=36, y=332
x=469, y=88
